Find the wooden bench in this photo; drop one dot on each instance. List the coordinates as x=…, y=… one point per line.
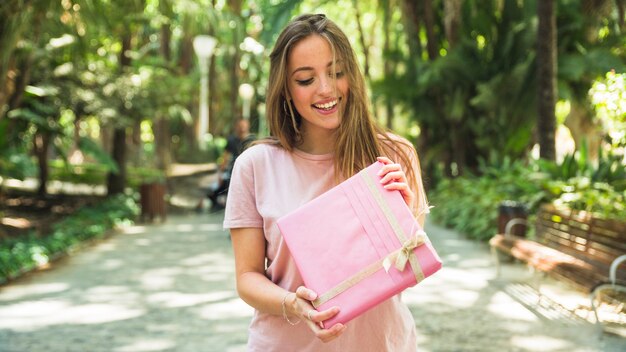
x=571, y=246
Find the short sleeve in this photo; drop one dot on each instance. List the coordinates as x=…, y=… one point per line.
x=241, y=210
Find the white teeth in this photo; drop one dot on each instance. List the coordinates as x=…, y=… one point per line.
x=326, y=106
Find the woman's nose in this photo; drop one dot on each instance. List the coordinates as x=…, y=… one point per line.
x=325, y=86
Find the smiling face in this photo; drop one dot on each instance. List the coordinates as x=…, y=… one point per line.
x=318, y=94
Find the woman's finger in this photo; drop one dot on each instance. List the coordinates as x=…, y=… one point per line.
x=404, y=189
x=327, y=335
x=384, y=160
x=305, y=293
x=398, y=176
x=388, y=168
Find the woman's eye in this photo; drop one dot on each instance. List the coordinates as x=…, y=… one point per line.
x=305, y=82
x=339, y=74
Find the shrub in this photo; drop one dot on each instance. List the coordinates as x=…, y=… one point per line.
x=19, y=255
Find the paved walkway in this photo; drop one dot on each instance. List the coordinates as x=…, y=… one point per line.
x=170, y=287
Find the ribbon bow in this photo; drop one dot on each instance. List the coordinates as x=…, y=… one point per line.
x=407, y=248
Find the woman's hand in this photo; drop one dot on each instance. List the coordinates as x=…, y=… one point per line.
x=394, y=178
x=299, y=304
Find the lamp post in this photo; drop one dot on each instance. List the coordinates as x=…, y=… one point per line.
x=204, y=45
x=246, y=92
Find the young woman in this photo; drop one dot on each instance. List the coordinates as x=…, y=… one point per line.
x=321, y=133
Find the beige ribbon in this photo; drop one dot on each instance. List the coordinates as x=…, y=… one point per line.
x=407, y=249
x=402, y=256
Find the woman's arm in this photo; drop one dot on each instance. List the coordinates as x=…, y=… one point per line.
x=262, y=294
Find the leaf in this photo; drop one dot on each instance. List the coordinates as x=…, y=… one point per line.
x=27, y=115
x=90, y=147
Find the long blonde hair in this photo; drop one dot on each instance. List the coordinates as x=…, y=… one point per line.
x=359, y=139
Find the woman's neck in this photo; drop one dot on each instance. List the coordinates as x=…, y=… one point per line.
x=318, y=142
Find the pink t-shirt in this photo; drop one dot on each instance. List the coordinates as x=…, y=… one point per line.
x=267, y=183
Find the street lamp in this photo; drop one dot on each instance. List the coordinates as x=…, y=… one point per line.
x=246, y=92
x=204, y=45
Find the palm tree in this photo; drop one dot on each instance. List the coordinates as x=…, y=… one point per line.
x=546, y=77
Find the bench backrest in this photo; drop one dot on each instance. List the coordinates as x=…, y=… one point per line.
x=581, y=235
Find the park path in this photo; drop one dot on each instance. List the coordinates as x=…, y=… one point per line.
x=170, y=287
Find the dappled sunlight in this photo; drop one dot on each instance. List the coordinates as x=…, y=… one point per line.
x=540, y=343
x=162, y=278
x=197, y=228
x=29, y=183
x=503, y=306
x=147, y=345
x=234, y=308
x=451, y=243
x=111, y=264
x=184, y=228
x=542, y=305
x=33, y=315
x=106, y=247
x=461, y=277
x=181, y=299
x=217, y=277
x=445, y=299
x=16, y=292
x=211, y=228
x=30, y=309
x=226, y=261
x=144, y=242
x=99, y=313
x=111, y=294
x=135, y=230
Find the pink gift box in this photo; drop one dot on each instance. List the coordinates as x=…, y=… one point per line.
x=357, y=245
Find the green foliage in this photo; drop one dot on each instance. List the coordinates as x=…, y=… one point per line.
x=470, y=203
x=95, y=174
x=608, y=97
x=88, y=146
x=599, y=198
x=608, y=168
x=14, y=161
x=18, y=255
x=213, y=150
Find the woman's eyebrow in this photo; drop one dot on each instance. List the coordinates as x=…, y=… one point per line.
x=309, y=68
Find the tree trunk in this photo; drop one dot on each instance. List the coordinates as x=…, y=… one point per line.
x=388, y=68
x=621, y=5
x=364, y=47
x=15, y=19
x=41, y=145
x=452, y=20
x=134, y=145
x=412, y=21
x=162, y=141
x=117, y=182
x=213, y=83
x=429, y=25
x=458, y=133
x=546, y=77
x=161, y=126
x=413, y=18
x=235, y=6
